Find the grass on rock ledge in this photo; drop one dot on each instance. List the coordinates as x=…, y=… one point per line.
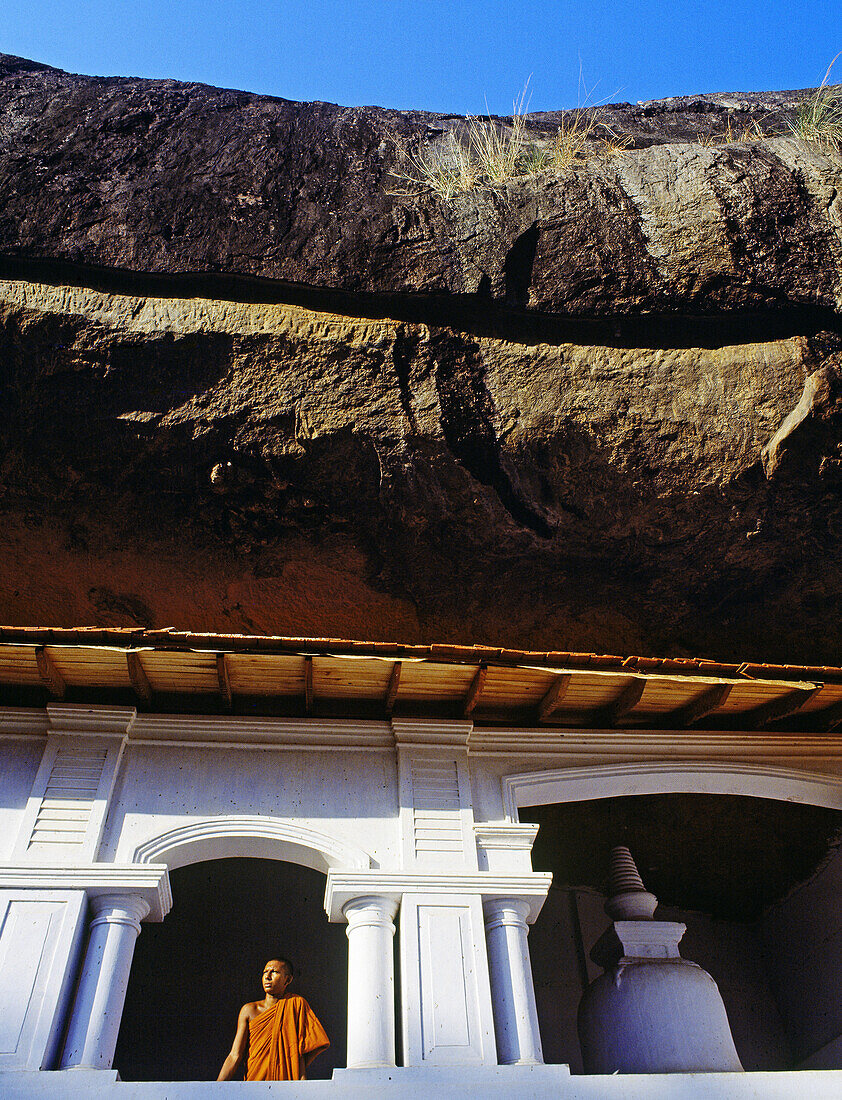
x=819, y=117
x=483, y=154
x=488, y=152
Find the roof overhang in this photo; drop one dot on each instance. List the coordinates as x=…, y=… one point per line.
x=174, y=671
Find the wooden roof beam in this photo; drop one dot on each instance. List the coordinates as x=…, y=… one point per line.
x=137, y=676
x=308, y=685
x=51, y=678
x=830, y=717
x=552, y=700
x=779, y=708
x=625, y=702
x=704, y=704
x=474, y=691
x=224, y=682
x=392, y=689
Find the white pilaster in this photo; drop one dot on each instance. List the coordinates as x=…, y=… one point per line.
x=101, y=993
x=446, y=993
x=371, y=981
x=65, y=814
x=512, y=990
x=41, y=933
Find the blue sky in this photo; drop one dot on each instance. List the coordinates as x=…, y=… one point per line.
x=439, y=55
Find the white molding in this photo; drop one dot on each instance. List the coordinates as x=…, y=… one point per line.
x=235, y=731
x=150, y=882
x=240, y=835
x=23, y=722
x=88, y=721
x=664, y=743
x=344, y=886
x=252, y=746
x=540, y=788
x=506, y=834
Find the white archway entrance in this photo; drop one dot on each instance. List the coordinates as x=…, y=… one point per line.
x=251, y=837
x=740, y=834
x=541, y=788
x=192, y=972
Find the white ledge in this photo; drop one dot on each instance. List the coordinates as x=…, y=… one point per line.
x=77, y=718
x=344, y=886
x=148, y=881
x=23, y=722
x=222, y=731
x=501, y=834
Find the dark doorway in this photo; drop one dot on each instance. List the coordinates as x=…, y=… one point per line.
x=192, y=973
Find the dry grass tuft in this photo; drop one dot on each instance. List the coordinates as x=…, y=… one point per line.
x=446, y=169
x=498, y=151
x=493, y=152
x=819, y=117
x=752, y=131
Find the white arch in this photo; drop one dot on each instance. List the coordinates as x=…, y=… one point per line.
x=613, y=780
x=260, y=837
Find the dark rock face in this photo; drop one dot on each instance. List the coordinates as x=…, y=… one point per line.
x=156, y=176
x=245, y=386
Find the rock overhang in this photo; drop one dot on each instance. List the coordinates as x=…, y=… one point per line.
x=248, y=388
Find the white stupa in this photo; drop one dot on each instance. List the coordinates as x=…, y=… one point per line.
x=651, y=1011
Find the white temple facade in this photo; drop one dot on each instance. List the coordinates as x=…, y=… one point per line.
x=413, y=825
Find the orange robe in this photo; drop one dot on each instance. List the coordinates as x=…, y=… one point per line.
x=281, y=1037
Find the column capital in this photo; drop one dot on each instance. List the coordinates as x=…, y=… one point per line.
x=371, y=910
x=127, y=909
x=508, y=912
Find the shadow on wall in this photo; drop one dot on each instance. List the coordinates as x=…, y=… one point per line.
x=192, y=973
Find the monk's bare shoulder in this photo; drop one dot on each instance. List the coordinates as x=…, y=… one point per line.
x=250, y=1010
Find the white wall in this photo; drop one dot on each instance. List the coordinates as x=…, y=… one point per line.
x=351, y=796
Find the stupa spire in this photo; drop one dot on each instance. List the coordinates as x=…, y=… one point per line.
x=628, y=898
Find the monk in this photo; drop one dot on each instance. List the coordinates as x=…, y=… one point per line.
x=281, y=1032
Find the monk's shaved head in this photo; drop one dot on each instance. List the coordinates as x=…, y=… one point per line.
x=285, y=963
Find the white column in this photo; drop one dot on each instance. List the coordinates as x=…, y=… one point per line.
x=512, y=991
x=101, y=993
x=371, y=981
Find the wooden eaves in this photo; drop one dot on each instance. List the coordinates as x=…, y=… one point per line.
x=169, y=670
